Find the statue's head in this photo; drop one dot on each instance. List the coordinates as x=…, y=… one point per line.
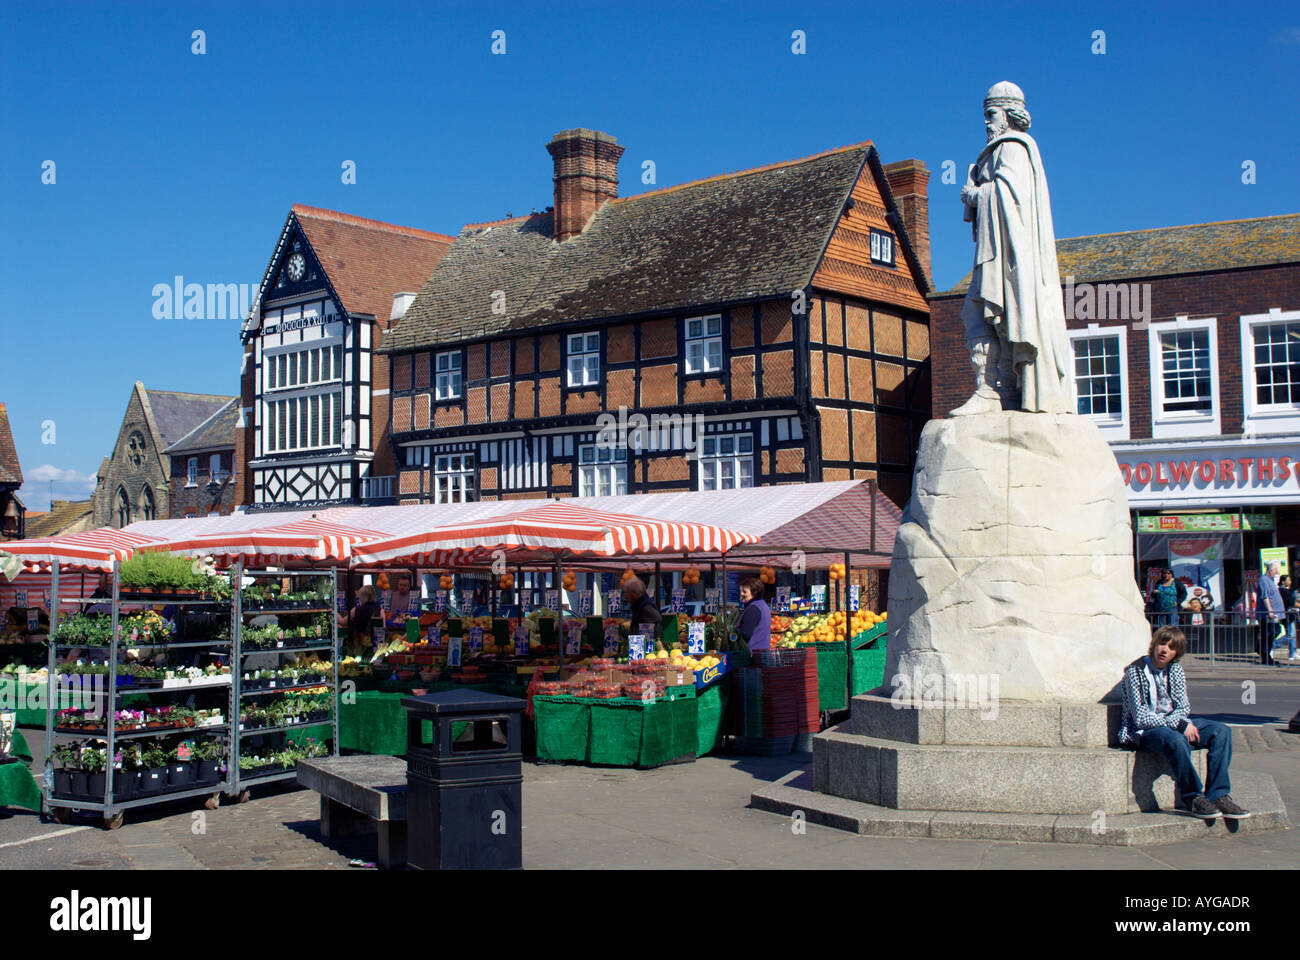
x=1004, y=108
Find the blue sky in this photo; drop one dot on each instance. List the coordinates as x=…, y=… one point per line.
x=170, y=163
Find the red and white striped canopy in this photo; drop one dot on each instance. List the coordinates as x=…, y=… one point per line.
x=555, y=528
x=91, y=550
x=312, y=538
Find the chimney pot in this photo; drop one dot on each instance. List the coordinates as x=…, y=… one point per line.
x=586, y=175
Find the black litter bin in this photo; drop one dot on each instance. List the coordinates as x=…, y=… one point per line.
x=464, y=790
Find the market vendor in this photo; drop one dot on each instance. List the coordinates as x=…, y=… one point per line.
x=400, y=604
x=755, y=626
x=641, y=606
x=357, y=620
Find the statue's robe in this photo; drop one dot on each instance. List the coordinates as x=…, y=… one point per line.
x=1016, y=286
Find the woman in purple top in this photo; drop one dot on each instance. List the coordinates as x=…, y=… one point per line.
x=755, y=626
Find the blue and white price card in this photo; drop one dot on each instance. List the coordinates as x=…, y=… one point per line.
x=614, y=603
x=387, y=600
x=636, y=646
x=783, y=598
x=522, y=640
x=695, y=638
x=819, y=596
x=611, y=640
x=453, y=651
x=33, y=620
x=572, y=637
x=712, y=599
x=413, y=607
x=475, y=639
x=679, y=600
x=434, y=635
x=855, y=596
x=584, y=603
x=341, y=601
x=467, y=603
x=379, y=635
x=440, y=600
x=20, y=598
x=553, y=600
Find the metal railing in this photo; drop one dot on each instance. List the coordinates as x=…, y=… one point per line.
x=376, y=488
x=1228, y=637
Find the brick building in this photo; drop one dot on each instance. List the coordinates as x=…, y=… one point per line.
x=203, y=467
x=1186, y=352
x=13, y=523
x=770, y=325
x=314, y=403
x=134, y=482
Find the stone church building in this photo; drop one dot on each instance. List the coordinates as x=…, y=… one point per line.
x=134, y=480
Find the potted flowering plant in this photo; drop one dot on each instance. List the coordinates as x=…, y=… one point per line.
x=207, y=756
x=153, y=773
x=126, y=772
x=68, y=757
x=93, y=764
x=180, y=771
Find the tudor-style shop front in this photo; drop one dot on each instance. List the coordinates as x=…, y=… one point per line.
x=1207, y=508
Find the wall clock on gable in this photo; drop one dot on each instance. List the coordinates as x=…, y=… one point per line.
x=296, y=268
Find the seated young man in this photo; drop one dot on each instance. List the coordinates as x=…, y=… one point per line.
x=1157, y=718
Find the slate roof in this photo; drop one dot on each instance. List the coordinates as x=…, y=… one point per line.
x=740, y=236
x=1169, y=251
x=217, y=432
x=62, y=514
x=176, y=414
x=10, y=471
x=367, y=261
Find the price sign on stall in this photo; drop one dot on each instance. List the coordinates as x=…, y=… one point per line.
x=611, y=640
x=341, y=601
x=434, y=635
x=584, y=603
x=712, y=599
x=475, y=639
x=553, y=600
x=440, y=600
x=819, y=596
x=522, y=641
x=453, y=650
x=783, y=598
x=467, y=603
x=855, y=596
x=695, y=638
x=387, y=600
x=572, y=637
x=33, y=620
x=636, y=646
x=20, y=598
x=413, y=608
x=679, y=600
x=614, y=602
x=377, y=633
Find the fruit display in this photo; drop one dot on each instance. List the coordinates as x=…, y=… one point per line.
x=446, y=581
x=629, y=574
x=382, y=581
x=506, y=581
x=543, y=613
x=569, y=580
x=838, y=571
x=822, y=627
x=767, y=575
x=691, y=577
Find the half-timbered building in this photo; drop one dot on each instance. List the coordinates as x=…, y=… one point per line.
x=770, y=326
x=314, y=404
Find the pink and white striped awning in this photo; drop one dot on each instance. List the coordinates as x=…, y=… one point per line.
x=313, y=538
x=554, y=529
x=90, y=550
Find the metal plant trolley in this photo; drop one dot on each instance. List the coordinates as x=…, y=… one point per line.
x=240, y=781
x=108, y=699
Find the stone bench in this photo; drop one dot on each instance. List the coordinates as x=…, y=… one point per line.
x=358, y=791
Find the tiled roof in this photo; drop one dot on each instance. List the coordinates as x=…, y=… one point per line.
x=368, y=261
x=1168, y=251
x=176, y=414
x=61, y=515
x=215, y=433
x=729, y=238
x=10, y=471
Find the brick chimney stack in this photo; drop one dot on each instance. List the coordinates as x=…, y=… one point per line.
x=586, y=175
x=907, y=182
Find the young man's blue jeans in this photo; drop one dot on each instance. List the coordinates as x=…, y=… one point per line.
x=1173, y=746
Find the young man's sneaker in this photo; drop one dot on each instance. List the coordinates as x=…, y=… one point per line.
x=1228, y=807
x=1200, y=807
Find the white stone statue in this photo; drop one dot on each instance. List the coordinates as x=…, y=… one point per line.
x=1013, y=314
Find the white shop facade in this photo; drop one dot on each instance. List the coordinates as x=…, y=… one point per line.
x=1207, y=508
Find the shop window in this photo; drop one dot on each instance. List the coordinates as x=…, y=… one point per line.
x=602, y=471
x=727, y=461
x=704, y=344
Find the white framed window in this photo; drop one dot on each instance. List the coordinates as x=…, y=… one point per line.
x=602, y=471
x=448, y=371
x=726, y=461
x=1184, y=378
x=453, y=478
x=882, y=247
x=214, y=466
x=1270, y=370
x=192, y=472
x=309, y=422
x=1099, y=377
x=584, y=359
x=304, y=367
x=704, y=344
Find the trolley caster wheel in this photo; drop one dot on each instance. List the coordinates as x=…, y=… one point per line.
x=61, y=815
x=212, y=802
x=244, y=796
x=113, y=822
